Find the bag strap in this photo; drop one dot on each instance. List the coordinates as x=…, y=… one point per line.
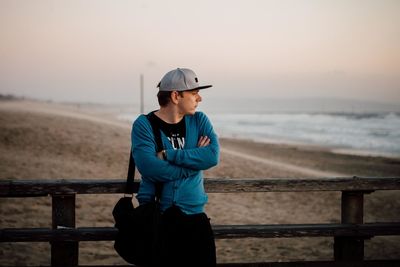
x=156, y=130
x=131, y=175
x=131, y=169
x=155, y=125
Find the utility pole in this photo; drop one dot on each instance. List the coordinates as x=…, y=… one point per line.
x=141, y=94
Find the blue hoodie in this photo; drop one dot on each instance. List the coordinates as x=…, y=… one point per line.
x=181, y=174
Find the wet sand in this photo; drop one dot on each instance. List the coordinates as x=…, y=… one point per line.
x=41, y=140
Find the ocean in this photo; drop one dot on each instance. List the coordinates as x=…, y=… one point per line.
x=367, y=133
x=350, y=130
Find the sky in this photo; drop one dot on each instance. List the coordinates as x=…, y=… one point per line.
x=95, y=51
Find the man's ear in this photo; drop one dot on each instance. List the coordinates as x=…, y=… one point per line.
x=174, y=97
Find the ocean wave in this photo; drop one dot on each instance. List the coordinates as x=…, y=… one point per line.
x=379, y=132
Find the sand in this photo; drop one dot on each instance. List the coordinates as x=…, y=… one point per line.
x=40, y=140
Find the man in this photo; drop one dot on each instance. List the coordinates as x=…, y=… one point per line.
x=190, y=146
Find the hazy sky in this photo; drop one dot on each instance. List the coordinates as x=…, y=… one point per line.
x=96, y=50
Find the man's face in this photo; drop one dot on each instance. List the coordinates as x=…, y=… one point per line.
x=188, y=101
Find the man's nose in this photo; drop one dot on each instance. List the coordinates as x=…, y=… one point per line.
x=199, y=99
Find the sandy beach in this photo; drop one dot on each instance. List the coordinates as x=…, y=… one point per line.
x=40, y=140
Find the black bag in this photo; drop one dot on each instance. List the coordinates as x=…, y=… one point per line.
x=138, y=228
x=138, y=235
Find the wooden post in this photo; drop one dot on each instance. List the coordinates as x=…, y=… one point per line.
x=141, y=94
x=351, y=248
x=64, y=253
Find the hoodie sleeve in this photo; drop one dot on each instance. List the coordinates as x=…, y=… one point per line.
x=200, y=158
x=147, y=162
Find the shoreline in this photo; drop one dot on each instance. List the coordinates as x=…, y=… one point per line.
x=113, y=114
x=292, y=159
x=309, y=146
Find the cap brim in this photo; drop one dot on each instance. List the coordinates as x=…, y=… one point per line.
x=202, y=87
x=196, y=88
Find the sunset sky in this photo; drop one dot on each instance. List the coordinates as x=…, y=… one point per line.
x=95, y=51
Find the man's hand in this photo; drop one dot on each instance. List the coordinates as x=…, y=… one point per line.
x=203, y=141
x=162, y=155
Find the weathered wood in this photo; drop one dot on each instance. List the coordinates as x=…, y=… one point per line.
x=367, y=263
x=301, y=184
x=63, y=252
x=352, y=207
x=350, y=248
x=371, y=263
x=23, y=188
x=64, y=237
x=220, y=231
x=49, y=235
x=305, y=230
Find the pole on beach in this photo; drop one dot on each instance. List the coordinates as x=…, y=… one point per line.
x=141, y=94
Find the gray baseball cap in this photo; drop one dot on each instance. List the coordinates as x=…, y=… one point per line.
x=180, y=79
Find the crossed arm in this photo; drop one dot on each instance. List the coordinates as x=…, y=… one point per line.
x=179, y=164
x=204, y=156
x=203, y=141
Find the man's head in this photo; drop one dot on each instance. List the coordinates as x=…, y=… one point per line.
x=176, y=84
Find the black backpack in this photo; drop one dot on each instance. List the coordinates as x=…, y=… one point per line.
x=138, y=234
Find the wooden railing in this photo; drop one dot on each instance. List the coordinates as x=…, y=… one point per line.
x=348, y=236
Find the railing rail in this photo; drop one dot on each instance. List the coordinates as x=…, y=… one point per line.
x=365, y=231
x=349, y=235
x=32, y=188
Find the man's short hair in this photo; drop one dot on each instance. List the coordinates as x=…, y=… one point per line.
x=164, y=97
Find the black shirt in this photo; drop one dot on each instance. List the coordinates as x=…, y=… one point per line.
x=176, y=132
